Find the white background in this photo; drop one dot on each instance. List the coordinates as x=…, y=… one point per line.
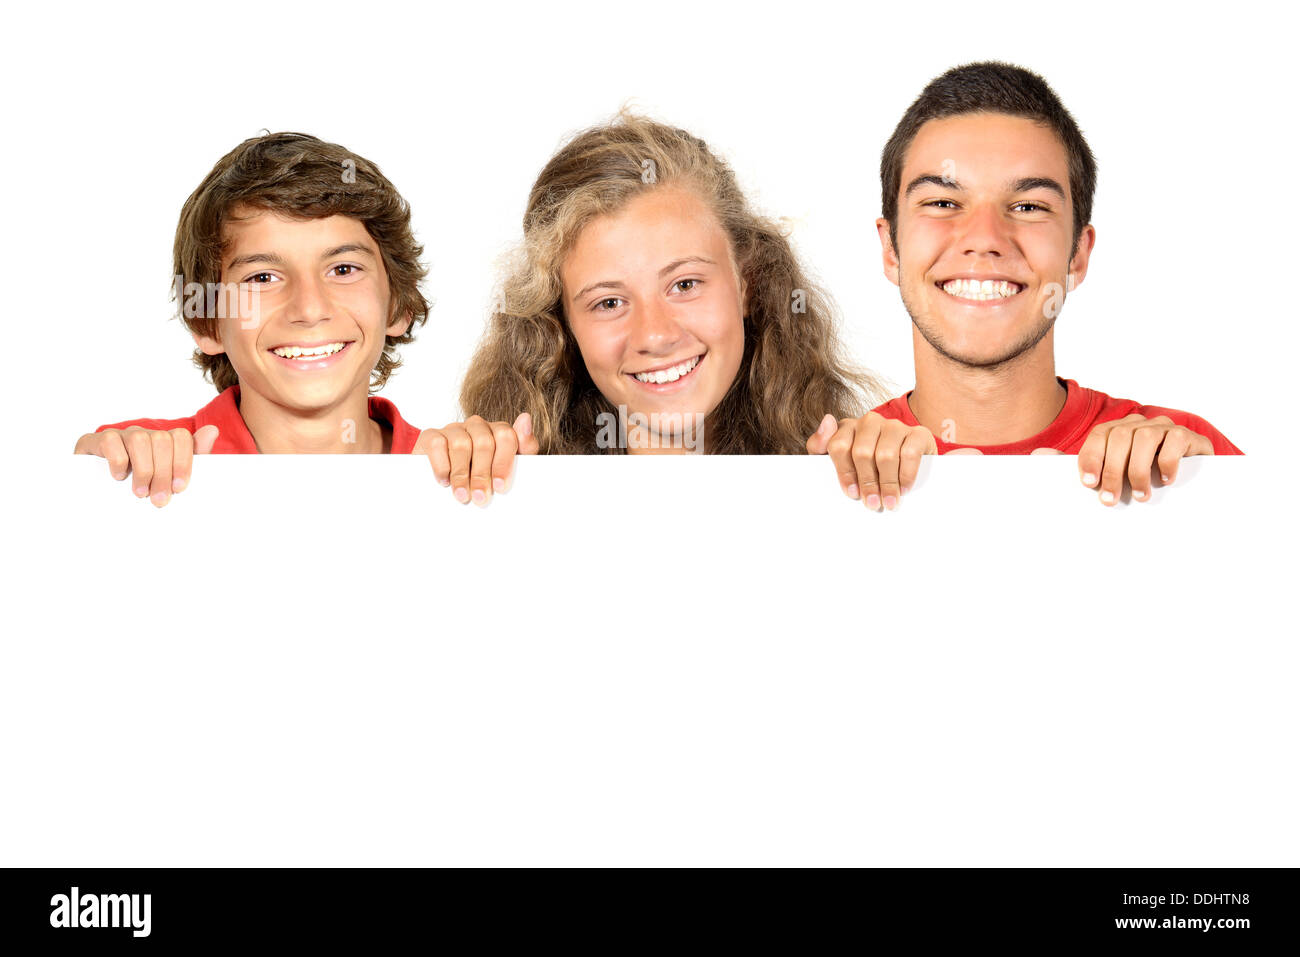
x=650, y=660
x=336, y=619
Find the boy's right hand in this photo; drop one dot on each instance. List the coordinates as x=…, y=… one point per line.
x=159, y=459
x=475, y=457
x=876, y=459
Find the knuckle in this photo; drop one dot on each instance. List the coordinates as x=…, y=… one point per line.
x=840, y=444
x=504, y=434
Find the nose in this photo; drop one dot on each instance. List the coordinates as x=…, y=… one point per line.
x=654, y=330
x=310, y=303
x=985, y=232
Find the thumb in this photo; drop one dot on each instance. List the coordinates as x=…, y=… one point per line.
x=523, y=427
x=817, y=441
x=205, y=438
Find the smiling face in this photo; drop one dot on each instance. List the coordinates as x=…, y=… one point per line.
x=656, y=305
x=322, y=310
x=984, y=236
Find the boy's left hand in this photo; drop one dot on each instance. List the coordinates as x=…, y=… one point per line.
x=1129, y=446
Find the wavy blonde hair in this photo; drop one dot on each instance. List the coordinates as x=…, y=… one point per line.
x=792, y=372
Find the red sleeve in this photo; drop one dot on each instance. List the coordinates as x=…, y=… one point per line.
x=1198, y=425
x=160, y=425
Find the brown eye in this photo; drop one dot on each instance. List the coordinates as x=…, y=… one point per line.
x=686, y=285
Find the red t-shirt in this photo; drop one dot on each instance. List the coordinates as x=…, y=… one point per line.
x=1084, y=408
x=234, y=437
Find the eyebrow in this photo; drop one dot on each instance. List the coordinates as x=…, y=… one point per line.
x=679, y=263
x=1022, y=185
x=929, y=179
x=274, y=259
x=1037, y=182
x=616, y=284
x=603, y=284
x=347, y=248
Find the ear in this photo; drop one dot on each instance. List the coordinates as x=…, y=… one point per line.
x=887, y=254
x=1079, y=262
x=398, y=327
x=209, y=345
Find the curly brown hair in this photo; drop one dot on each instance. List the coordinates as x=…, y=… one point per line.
x=304, y=177
x=792, y=372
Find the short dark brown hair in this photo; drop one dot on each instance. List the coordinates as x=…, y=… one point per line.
x=304, y=177
x=990, y=87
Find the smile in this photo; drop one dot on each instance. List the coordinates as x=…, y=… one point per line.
x=309, y=352
x=669, y=373
x=980, y=290
x=311, y=358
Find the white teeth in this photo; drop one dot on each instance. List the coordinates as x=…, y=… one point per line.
x=980, y=290
x=660, y=376
x=315, y=352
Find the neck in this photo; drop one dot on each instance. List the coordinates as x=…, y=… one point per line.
x=967, y=405
x=643, y=441
x=343, y=428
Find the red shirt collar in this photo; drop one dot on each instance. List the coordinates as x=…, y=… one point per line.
x=1077, y=414
x=234, y=437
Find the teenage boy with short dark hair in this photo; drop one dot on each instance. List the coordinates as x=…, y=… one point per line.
x=987, y=187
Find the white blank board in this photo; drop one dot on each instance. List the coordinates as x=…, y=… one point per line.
x=328, y=661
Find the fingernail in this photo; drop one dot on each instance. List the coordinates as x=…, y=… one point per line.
x=526, y=425
x=1089, y=479
x=873, y=500
x=479, y=497
x=462, y=495
x=890, y=501
x=906, y=489
x=159, y=498
x=1107, y=497
x=852, y=491
x=178, y=485
x=444, y=482
x=1139, y=495
x=141, y=492
x=498, y=485
x=1164, y=478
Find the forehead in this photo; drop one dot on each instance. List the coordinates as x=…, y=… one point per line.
x=268, y=230
x=665, y=222
x=986, y=148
